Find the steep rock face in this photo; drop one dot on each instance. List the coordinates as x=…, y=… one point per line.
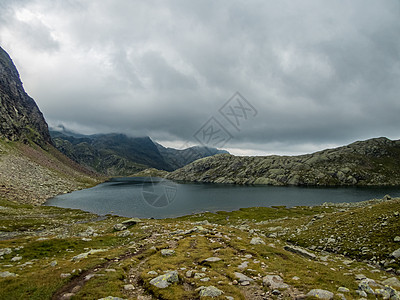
x=20, y=118
x=371, y=162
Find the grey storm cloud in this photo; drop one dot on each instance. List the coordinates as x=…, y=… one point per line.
x=319, y=73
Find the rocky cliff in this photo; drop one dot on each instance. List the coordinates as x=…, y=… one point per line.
x=31, y=169
x=371, y=162
x=20, y=118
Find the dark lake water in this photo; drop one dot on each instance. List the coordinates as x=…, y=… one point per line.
x=158, y=198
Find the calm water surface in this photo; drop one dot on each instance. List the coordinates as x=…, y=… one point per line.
x=149, y=197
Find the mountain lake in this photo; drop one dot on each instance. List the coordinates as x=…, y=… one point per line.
x=146, y=197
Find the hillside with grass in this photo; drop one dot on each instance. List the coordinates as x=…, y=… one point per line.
x=364, y=163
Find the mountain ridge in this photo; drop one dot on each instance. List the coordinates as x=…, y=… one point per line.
x=117, y=154
x=372, y=162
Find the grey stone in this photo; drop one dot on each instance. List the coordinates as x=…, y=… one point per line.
x=53, y=263
x=397, y=239
x=364, y=286
x=229, y=298
x=274, y=282
x=119, y=227
x=241, y=277
x=131, y=222
x=205, y=279
x=165, y=280
x=212, y=259
x=392, y=281
x=396, y=253
x=199, y=275
x=67, y=296
x=189, y=274
x=257, y=241
x=361, y=293
x=152, y=273
x=167, y=252
x=7, y=274
x=5, y=251
x=210, y=291
x=360, y=277
x=65, y=275
x=129, y=287
x=243, y=265
x=111, y=298
x=16, y=258
x=300, y=251
x=343, y=290
x=321, y=294
x=244, y=283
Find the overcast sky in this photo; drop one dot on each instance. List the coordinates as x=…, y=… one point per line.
x=314, y=74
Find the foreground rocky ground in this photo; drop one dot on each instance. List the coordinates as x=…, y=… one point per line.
x=347, y=252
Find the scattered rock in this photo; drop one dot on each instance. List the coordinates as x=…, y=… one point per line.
x=321, y=294
x=16, y=258
x=111, y=298
x=86, y=254
x=364, y=286
x=7, y=274
x=396, y=253
x=205, y=279
x=131, y=222
x=189, y=274
x=392, y=281
x=343, y=290
x=129, y=287
x=210, y=291
x=167, y=252
x=300, y=251
x=53, y=263
x=257, y=241
x=241, y=277
x=397, y=239
x=119, y=227
x=5, y=251
x=274, y=282
x=152, y=273
x=212, y=259
x=165, y=280
x=65, y=275
x=67, y=296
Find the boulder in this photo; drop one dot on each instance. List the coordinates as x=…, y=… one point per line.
x=210, y=291
x=131, y=222
x=392, y=281
x=212, y=259
x=396, y=253
x=300, y=251
x=7, y=274
x=165, y=280
x=167, y=252
x=321, y=294
x=119, y=227
x=241, y=277
x=257, y=241
x=274, y=282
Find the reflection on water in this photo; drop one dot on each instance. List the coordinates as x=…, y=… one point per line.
x=146, y=197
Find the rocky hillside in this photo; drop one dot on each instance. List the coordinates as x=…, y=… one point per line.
x=20, y=118
x=120, y=155
x=31, y=169
x=371, y=162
